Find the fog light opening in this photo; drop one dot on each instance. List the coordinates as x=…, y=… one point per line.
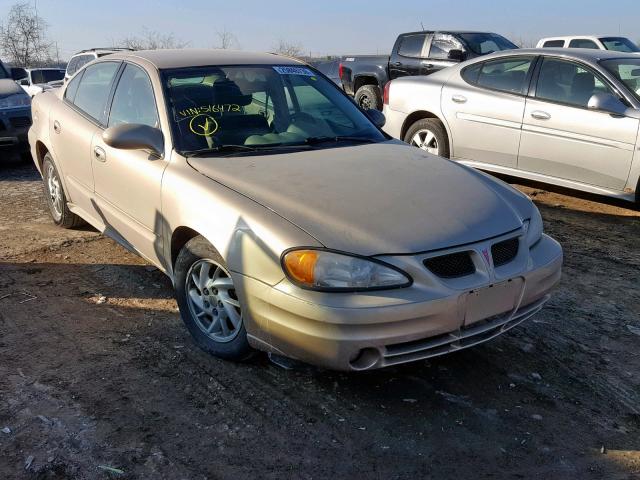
x=365, y=359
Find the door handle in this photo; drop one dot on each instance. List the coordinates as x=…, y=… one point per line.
x=56, y=126
x=539, y=115
x=397, y=64
x=459, y=99
x=100, y=154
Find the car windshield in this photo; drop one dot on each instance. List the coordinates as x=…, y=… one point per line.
x=46, y=76
x=244, y=108
x=485, y=43
x=619, y=44
x=627, y=70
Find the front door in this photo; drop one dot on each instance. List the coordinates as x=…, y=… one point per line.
x=484, y=106
x=563, y=138
x=128, y=182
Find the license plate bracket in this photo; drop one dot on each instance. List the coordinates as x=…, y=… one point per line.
x=496, y=299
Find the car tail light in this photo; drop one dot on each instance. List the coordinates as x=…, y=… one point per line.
x=340, y=70
x=387, y=89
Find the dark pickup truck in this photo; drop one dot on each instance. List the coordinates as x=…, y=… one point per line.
x=415, y=53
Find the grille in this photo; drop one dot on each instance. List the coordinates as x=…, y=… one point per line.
x=505, y=251
x=20, y=122
x=453, y=265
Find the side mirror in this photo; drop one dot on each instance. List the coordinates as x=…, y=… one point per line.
x=377, y=117
x=605, y=102
x=456, y=55
x=132, y=136
x=24, y=82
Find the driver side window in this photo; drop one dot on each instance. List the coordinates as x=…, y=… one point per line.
x=568, y=83
x=442, y=44
x=133, y=101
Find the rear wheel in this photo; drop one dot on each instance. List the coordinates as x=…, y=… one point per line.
x=55, y=197
x=208, y=302
x=368, y=97
x=429, y=135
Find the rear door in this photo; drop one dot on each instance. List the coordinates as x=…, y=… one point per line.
x=484, y=105
x=128, y=182
x=563, y=138
x=409, y=56
x=74, y=123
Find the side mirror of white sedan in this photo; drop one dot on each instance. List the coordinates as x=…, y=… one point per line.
x=132, y=136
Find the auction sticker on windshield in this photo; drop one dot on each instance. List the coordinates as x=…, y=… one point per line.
x=294, y=71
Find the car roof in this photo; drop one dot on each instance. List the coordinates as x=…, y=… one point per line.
x=571, y=37
x=586, y=54
x=191, y=57
x=454, y=32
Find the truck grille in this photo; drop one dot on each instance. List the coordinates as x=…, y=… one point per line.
x=505, y=251
x=454, y=265
x=20, y=122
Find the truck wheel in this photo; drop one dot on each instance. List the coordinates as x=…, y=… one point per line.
x=368, y=97
x=429, y=135
x=56, y=198
x=208, y=302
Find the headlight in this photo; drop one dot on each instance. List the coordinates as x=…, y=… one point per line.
x=533, y=227
x=325, y=270
x=16, y=100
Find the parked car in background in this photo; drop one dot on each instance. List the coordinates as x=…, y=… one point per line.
x=37, y=80
x=80, y=59
x=330, y=68
x=568, y=117
x=613, y=43
x=15, y=116
x=415, y=53
x=318, y=238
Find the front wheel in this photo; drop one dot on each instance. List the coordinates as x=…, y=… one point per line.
x=208, y=302
x=429, y=135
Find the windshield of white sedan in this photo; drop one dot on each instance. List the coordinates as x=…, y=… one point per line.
x=256, y=107
x=628, y=72
x=485, y=43
x=619, y=44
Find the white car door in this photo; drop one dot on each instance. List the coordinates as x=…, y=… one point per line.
x=483, y=106
x=564, y=139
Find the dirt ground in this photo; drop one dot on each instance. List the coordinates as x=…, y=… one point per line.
x=99, y=379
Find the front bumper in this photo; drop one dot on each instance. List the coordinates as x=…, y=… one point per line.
x=377, y=329
x=14, y=126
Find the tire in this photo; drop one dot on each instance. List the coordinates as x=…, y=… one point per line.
x=55, y=197
x=212, y=315
x=430, y=129
x=369, y=97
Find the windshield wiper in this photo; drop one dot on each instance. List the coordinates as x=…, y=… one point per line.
x=219, y=149
x=339, y=138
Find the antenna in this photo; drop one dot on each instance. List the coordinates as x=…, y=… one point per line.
x=422, y=25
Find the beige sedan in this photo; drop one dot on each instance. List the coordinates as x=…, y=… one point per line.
x=286, y=219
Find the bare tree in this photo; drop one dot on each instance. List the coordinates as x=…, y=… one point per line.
x=23, y=37
x=289, y=49
x=152, y=40
x=226, y=40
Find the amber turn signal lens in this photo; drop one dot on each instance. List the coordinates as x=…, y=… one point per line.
x=301, y=264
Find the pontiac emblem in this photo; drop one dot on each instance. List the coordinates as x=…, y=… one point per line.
x=485, y=254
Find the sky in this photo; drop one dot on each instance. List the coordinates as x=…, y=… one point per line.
x=324, y=27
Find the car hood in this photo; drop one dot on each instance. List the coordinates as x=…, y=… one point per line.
x=374, y=199
x=9, y=87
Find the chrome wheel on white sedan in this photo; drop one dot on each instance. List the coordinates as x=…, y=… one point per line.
x=429, y=134
x=425, y=140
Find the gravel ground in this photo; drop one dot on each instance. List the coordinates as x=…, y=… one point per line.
x=99, y=379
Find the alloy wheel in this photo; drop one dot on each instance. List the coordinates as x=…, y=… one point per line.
x=426, y=140
x=55, y=192
x=212, y=300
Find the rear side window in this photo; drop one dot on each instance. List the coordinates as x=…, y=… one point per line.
x=412, y=45
x=505, y=75
x=583, y=43
x=76, y=63
x=553, y=44
x=72, y=88
x=95, y=86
